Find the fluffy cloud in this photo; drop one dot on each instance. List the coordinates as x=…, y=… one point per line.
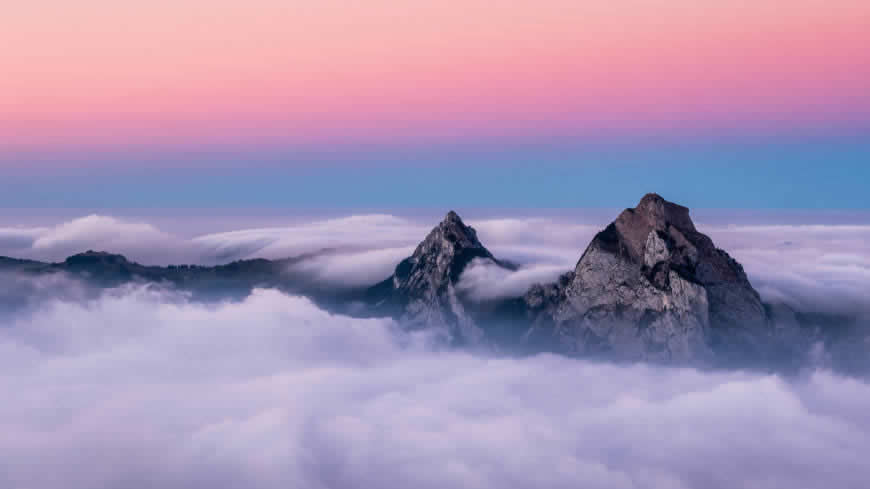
x=811, y=267
x=354, y=232
x=554, y=241
x=483, y=279
x=351, y=268
x=140, y=239
x=143, y=389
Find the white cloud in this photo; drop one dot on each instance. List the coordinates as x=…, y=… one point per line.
x=96, y=232
x=483, y=279
x=355, y=232
x=359, y=268
x=811, y=267
x=94, y=229
x=536, y=239
x=140, y=389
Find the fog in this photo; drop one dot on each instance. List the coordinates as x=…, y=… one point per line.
x=141, y=388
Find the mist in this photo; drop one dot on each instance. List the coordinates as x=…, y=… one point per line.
x=142, y=388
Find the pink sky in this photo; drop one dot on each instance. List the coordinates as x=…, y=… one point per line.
x=109, y=73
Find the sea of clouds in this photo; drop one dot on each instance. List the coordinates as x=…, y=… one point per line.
x=140, y=387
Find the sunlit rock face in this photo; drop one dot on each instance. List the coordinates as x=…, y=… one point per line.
x=651, y=287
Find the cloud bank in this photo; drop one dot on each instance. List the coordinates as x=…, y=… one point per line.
x=810, y=267
x=484, y=280
x=140, y=388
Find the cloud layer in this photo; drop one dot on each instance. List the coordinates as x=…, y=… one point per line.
x=143, y=389
x=810, y=267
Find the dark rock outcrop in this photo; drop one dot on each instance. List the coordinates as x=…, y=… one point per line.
x=651, y=287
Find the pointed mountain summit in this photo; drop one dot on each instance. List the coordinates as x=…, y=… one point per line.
x=422, y=290
x=651, y=287
x=443, y=255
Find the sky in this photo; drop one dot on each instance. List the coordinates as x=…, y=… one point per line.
x=422, y=103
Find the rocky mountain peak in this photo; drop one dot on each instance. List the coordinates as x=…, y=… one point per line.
x=440, y=258
x=453, y=217
x=652, y=287
x=422, y=288
x=450, y=238
x=658, y=212
x=635, y=226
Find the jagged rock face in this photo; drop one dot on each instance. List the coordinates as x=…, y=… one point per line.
x=651, y=287
x=424, y=285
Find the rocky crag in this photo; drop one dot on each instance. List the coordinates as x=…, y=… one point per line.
x=651, y=287
x=422, y=291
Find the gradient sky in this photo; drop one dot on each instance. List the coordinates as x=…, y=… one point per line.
x=547, y=103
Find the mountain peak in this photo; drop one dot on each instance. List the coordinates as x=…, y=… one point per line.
x=650, y=273
x=658, y=212
x=633, y=226
x=453, y=217
x=423, y=286
x=450, y=236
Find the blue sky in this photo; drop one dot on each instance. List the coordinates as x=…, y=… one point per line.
x=820, y=173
